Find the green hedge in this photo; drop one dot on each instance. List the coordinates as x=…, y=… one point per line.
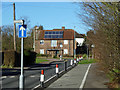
x=9, y=58
x=12, y=58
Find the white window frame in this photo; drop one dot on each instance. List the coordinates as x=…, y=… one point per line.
x=65, y=51
x=41, y=41
x=53, y=43
x=41, y=51
x=65, y=41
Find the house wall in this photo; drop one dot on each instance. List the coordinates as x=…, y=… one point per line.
x=47, y=45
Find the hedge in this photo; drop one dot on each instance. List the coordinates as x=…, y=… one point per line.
x=13, y=58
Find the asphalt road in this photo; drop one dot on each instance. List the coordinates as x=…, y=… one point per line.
x=10, y=77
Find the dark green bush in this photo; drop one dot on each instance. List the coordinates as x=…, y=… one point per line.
x=85, y=56
x=12, y=58
x=55, y=56
x=9, y=58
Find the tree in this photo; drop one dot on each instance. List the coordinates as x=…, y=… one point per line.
x=104, y=20
x=7, y=38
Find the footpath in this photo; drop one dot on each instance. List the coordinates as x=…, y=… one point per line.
x=83, y=76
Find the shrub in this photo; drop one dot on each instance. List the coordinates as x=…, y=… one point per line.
x=85, y=55
x=55, y=56
x=9, y=58
x=12, y=58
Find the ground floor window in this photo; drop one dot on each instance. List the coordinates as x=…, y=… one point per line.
x=65, y=51
x=41, y=51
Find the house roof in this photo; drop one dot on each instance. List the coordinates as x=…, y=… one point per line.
x=68, y=34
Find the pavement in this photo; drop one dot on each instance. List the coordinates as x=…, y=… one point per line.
x=96, y=78
x=74, y=78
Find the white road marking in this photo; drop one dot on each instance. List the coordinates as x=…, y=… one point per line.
x=85, y=76
x=12, y=76
x=50, y=78
x=34, y=76
x=3, y=77
x=36, y=87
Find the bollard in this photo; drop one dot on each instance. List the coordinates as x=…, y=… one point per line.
x=75, y=61
x=71, y=63
x=65, y=65
x=79, y=58
x=57, y=70
x=42, y=78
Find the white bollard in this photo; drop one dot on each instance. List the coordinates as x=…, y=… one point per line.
x=42, y=78
x=75, y=60
x=57, y=70
x=71, y=63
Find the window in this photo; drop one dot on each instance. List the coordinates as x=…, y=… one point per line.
x=41, y=42
x=41, y=51
x=65, y=41
x=53, y=43
x=53, y=34
x=65, y=51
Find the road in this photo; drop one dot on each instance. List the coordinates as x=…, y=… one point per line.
x=10, y=78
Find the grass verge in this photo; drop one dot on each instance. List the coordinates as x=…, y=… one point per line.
x=40, y=60
x=87, y=61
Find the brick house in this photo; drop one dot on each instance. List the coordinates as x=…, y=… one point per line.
x=56, y=42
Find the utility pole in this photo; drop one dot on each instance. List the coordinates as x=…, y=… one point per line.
x=87, y=51
x=14, y=27
x=74, y=45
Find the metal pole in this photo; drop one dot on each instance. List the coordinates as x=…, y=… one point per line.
x=92, y=53
x=87, y=51
x=74, y=45
x=21, y=86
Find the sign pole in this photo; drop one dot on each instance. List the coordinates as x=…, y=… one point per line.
x=21, y=86
x=21, y=76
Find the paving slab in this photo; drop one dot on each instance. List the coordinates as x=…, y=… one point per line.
x=71, y=79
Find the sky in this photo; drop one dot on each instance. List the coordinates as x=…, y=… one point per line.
x=52, y=15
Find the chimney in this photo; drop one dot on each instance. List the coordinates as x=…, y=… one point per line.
x=63, y=28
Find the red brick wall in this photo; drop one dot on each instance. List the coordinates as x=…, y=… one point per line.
x=47, y=45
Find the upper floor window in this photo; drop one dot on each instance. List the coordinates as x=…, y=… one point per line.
x=53, y=34
x=65, y=41
x=65, y=51
x=41, y=42
x=53, y=43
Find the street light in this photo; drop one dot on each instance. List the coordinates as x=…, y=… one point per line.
x=92, y=50
x=36, y=28
x=87, y=50
x=61, y=51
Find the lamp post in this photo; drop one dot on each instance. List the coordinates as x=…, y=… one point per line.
x=36, y=28
x=87, y=50
x=61, y=51
x=74, y=44
x=92, y=50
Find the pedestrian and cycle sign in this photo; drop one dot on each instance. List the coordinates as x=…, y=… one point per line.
x=22, y=31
